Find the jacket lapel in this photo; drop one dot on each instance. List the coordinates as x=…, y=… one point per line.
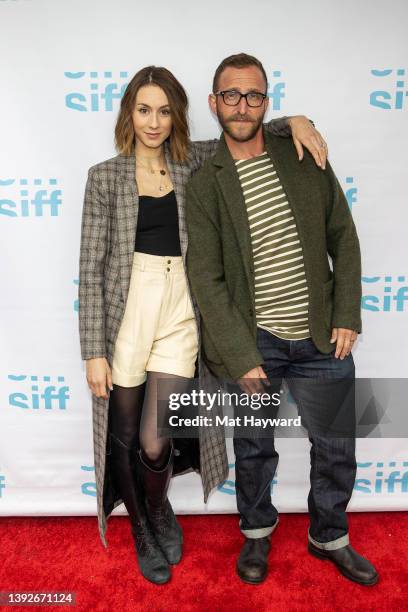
x=179, y=173
x=228, y=181
x=127, y=208
x=292, y=177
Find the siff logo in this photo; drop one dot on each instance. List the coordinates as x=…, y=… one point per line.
x=394, y=97
x=276, y=91
x=98, y=91
x=30, y=200
x=389, y=297
x=350, y=192
x=2, y=484
x=49, y=397
x=394, y=481
x=88, y=488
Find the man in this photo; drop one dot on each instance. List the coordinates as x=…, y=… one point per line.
x=260, y=229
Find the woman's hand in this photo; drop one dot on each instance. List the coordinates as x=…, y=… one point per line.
x=99, y=376
x=305, y=135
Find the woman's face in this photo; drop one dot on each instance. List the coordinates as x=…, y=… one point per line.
x=151, y=116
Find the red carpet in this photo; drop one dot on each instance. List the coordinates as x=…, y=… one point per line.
x=65, y=554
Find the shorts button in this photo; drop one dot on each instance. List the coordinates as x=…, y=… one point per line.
x=168, y=269
x=169, y=261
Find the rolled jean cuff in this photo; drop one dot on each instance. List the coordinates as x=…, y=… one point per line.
x=333, y=545
x=259, y=532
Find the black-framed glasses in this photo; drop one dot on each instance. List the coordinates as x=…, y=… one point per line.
x=232, y=97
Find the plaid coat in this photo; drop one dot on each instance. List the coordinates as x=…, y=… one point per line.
x=108, y=231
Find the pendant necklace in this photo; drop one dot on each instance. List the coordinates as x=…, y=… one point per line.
x=162, y=172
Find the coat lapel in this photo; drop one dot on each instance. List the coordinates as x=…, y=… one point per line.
x=179, y=173
x=230, y=186
x=292, y=177
x=127, y=208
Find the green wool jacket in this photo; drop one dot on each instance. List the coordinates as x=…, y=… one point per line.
x=220, y=263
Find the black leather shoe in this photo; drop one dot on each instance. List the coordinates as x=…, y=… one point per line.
x=352, y=565
x=252, y=564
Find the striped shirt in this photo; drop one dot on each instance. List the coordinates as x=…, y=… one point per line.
x=281, y=292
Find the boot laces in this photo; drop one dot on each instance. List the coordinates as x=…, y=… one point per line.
x=161, y=517
x=145, y=542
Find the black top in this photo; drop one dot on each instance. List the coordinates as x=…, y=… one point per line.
x=157, y=231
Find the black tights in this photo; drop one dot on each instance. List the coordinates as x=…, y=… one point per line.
x=133, y=418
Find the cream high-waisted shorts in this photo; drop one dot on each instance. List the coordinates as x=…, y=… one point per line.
x=158, y=331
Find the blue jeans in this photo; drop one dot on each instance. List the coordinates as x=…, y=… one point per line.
x=332, y=459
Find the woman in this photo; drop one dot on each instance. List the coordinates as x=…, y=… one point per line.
x=138, y=323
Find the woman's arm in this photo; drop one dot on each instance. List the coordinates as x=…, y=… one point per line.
x=205, y=149
x=94, y=242
x=299, y=127
x=94, y=237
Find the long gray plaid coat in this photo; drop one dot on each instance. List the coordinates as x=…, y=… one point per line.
x=108, y=233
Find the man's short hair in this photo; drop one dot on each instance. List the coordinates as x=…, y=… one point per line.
x=239, y=60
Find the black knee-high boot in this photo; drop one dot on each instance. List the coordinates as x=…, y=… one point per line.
x=161, y=517
x=152, y=562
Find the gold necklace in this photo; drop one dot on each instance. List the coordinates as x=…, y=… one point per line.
x=162, y=172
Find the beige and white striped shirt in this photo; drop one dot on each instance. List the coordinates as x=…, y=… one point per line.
x=281, y=292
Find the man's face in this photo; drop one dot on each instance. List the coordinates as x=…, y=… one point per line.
x=240, y=122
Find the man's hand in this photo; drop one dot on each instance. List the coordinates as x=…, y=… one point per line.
x=345, y=339
x=254, y=381
x=305, y=135
x=98, y=375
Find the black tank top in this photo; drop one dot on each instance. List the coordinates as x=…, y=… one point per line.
x=157, y=231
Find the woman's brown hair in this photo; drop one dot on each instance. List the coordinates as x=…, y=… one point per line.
x=178, y=102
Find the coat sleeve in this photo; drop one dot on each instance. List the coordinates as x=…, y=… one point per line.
x=344, y=248
x=222, y=322
x=94, y=239
x=205, y=149
x=279, y=127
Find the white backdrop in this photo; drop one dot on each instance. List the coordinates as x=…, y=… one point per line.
x=64, y=66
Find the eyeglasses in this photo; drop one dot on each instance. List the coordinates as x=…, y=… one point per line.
x=233, y=98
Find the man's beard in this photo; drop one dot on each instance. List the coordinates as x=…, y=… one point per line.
x=226, y=125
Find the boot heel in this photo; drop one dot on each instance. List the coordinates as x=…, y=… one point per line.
x=316, y=552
